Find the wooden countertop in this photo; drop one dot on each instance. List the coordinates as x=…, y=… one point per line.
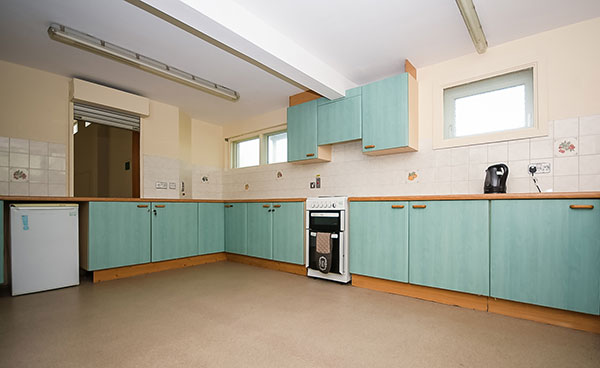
x=456, y=197
x=95, y=199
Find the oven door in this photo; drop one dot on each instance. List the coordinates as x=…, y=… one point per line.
x=326, y=222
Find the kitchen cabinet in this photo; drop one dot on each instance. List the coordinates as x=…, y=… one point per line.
x=547, y=252
x=1, y=242
x=211, y=228
x=288, y=232
x=260, y=230
x=379, y=239
x=174, y=230
x=302, y=134
x=236, y=228
x=114, y=234
x=389, y=115
x=339, y=120
x=449, y=245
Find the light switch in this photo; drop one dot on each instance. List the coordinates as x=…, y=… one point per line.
x=172, y=185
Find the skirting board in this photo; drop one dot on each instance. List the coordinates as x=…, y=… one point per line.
x=557, y=317
x=265, y=263
x=129, y=271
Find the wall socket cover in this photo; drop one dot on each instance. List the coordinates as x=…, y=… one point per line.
x=160, y=185
x=172, y=185
x=541, y=167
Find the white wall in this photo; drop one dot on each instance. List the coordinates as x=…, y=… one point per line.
x=568, y=102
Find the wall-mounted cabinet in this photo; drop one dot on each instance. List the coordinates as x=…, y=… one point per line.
x=174, y=230
x=547, y=252
x=339, y=120
x=302, y=134
x=390, y=115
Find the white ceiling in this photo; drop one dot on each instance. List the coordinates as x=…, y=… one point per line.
x=363, y=40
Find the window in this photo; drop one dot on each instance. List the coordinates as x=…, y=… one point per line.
x=247, y=152
x=496, y=104
x=277, y=148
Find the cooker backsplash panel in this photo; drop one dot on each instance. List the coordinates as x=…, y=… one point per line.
x=572, y=149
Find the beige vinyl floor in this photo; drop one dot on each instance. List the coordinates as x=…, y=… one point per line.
x=233, y=315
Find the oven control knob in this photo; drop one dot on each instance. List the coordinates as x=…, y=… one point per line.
x=333, y=205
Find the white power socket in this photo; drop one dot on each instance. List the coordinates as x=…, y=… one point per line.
x=541, y=168
x=160, y=185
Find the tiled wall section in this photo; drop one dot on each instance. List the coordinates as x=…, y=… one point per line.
x=161, y=169
x=31, y=168
x=207, y=182
x=572, y=148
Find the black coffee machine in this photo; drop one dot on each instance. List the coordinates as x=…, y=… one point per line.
x=495, y=179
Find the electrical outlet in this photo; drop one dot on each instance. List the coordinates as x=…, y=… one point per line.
x=312, y=185
x=541, y=168
x=318, y=182
x=172, y=185
x=160, y=185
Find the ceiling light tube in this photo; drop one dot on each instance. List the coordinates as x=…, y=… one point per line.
x=469, y=14
x=90, y=43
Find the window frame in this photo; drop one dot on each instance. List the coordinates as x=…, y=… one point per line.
x=262, y=135
x=234, y=151
x=539, y=126
x=265, y=148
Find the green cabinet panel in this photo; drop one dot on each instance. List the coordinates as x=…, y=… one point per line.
x=174, y=230
x=288, y=232
x=340, y=120
x=236, y=228
x=302, y=131
x=544, y=252
x=211, y=228
x=449, y=245
x=260, y=230
x=379, y=239
x=118, y=234
x=1, y=242
x=385, y=113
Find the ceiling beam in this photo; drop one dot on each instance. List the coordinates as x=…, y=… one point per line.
x=229, y=26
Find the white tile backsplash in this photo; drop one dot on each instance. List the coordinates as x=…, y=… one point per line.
x=57, y=190
x=478, y=154
x=38, y=162
x=589, y=125
x=18, y=189
x=460, y=156
x=540, y=148
x=18, y=160
x=518, y=150
x=566, y=127
x=38, y=176
x=57, y=163
x=38, y=148
x=4, y=188
x=589, y=144
x=588, y=183
x=57, y=177
x=566, y=166
x=4, y=144
x=4, y=158
x=19, y=145
x=57, y=150
x=37, y=189
x=566, y=183
x=497, y=152
x=589, y=165
x=4, y=174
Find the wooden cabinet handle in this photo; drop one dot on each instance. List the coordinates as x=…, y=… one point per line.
x=142, y=206
x=582, y=206
x=277, y=205
x=397, y=206
x=419, y=205
x=159, y=206
x=310, y=154
x=370, y=146
x=266, y=205
x=228, y=205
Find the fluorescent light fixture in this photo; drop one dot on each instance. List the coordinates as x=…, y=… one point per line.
x=90, y=43
x=467, y=10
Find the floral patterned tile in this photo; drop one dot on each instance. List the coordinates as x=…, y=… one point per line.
x=568, y=146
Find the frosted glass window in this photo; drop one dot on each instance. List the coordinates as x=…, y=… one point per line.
x=489, y=105
x=277, y=148
x=247, y=153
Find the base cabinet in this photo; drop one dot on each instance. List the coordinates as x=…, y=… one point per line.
x=118, y=234
x=547, y=252
x=211, y=228
x=236, y=228
x=174, y=230
x=288, y=232
x=449, y=245
x=379, y=240
x=260, y=230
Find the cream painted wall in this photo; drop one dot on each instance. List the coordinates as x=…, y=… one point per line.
x=207, y=144
x=160, y=131
x=34, y=104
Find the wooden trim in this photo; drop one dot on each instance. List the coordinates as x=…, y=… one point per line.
x=267, y=263
x=129, y=271
x=557, y=317
x=410, y=69
x=264, y=200
x=303, y=97
x=389, y=151
x=464, y=300
x=496, y=196
x=135, y=165
x=552, y=316
x=397, y=206
x=581, y=206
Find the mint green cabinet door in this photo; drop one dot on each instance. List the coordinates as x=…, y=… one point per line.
x=288, y=232
x=236, y=227
x=174, y=230
x=118, y=234
x=340, y=120
x=1, y=242
x=385, y=115
x=379, y=239
x=211, y=228
x=449, y=245
x=260, y=230
x=544, y=252
x=302, y=131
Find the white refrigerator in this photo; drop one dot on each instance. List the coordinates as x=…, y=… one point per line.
x=43, y=247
